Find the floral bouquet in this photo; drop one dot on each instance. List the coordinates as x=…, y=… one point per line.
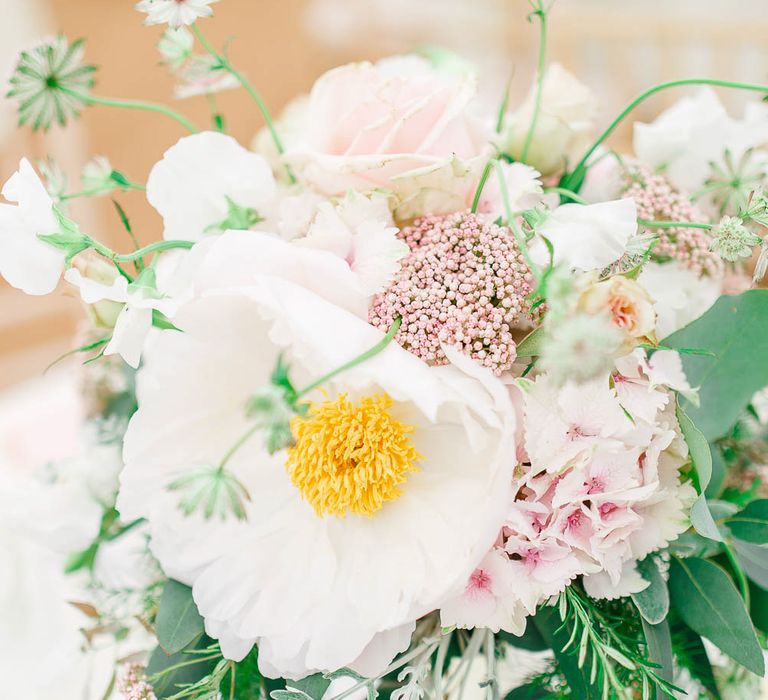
x=414, y=400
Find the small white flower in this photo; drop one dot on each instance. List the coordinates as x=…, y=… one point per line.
x=175, y=13
x=731, y=240
x=203, y=75
x=47, y=81
x=97, y=175
x=26, y=262
x=580, y=347
x=134, y=321
x=175, y=47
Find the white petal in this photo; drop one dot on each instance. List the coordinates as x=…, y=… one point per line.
x=130, y=334
x=588, y=237
x=190, y=185
x=92, y=291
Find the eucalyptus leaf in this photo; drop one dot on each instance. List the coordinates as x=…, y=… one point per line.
x=736, y=332
x=178, y=621
x=532, y=343
x=314, y=685
x=708, y=602
x=754, y=560
x=659, y=643
x=751, y=524
x=701, y=518
x=652, y=602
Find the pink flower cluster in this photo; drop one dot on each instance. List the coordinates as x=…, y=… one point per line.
x=133, y=686
x=657, y=199
x=464, y=283
x=597, y=492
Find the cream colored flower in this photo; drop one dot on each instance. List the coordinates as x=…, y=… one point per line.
x=626, y=302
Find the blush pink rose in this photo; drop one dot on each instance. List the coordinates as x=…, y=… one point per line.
x=399, y=125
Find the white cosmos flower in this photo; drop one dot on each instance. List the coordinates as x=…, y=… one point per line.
x=26, y=262
x=175, y=13
x=587, y=237
x=315, y=590
x=360, y=230
x=197, y=179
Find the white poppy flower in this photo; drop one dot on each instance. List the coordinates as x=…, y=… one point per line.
x=587, y=237
x=200, y=177
x=26, y=262
x=175, y=13
x=319, y=570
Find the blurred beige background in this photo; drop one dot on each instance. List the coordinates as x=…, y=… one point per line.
x=618, y=47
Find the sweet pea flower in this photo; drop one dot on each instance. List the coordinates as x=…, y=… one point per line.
x=26, y=262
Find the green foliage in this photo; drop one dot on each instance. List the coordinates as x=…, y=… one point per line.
x=215, y=491
x=754, y=560
x=708, y=602
x=169, y=674
x=68, y=238
x=653, y=602
x=735, y=331
x=178, y=622
x=659, y=644
x=530, y=640
x=751, y=524
x=691, y=655
x=701, y=518
x=532, y=343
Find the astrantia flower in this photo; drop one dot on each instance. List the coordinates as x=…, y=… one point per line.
x=731, y=240
x=465, y=283
x=580, y=347
x=198, y=179
x=175, y=47
x=97, y=176
x=27, y=262
x=175, y=13
x=337, y=558
x=49, y=83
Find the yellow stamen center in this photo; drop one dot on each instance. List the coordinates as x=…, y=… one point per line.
x=350, y=457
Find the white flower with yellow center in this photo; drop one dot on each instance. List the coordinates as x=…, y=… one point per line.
x=395, y=487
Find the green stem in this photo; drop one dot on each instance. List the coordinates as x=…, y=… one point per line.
x=574, y=179
x=674, y=224
x=133, y=104
x=512, y=223
x=224, y=61
x=481, y=185
x=542, y=15
x=151, y=248
x=739, y=572
x=240, y=442
x=100, y=190
x=569, y=194
x=368, y=354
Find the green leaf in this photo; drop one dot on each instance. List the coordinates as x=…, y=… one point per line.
x=751, y=524
x=735, y=330
x=659, y=642
x=653, y=602
x=708, y=602
x=178, y=621
x=247, y=679
x=754, y=560
x=170, y=682
x=81, y=560
x=529, y=691
x=701, y=518
x=550, y=626
x=719, y=471
x=314, y=686
x=532, y=343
